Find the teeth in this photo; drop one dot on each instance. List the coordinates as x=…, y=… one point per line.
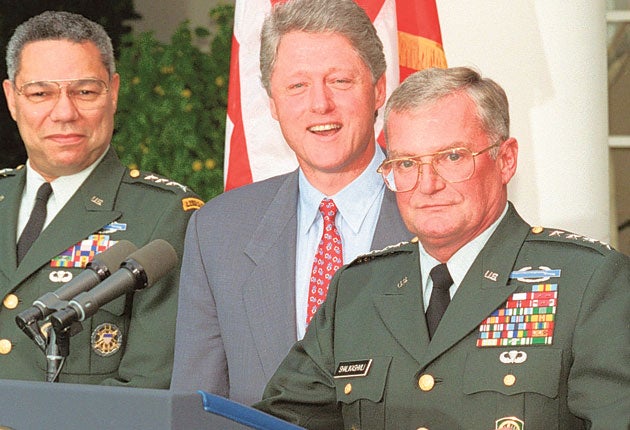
x=325, y=127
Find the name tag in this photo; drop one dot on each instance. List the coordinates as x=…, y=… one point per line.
x=350, y=369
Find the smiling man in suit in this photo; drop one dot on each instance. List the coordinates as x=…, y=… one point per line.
x=74, y=199
x=483, y=322
x=250, y=284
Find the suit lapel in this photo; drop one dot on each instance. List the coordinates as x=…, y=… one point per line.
x=390, y=228
x=10, y=197
x=269, y=293
x=89, y=209
x=479, y=295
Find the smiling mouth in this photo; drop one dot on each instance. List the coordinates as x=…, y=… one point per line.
x=324, y=128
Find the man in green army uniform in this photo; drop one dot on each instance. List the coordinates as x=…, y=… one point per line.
x=482, y=321
x=62, y=91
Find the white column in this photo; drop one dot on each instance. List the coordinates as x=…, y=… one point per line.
x=550, y=57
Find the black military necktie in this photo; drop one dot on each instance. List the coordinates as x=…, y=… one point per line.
x=440, y=297
x=35, y=222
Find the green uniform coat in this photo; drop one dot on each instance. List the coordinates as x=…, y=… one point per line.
x=374, y=311
x=146, y=207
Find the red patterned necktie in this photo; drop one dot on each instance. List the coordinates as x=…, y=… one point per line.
x=328, y=258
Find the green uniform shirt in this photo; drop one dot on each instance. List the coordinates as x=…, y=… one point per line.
x=129, y=341
x=366, y=361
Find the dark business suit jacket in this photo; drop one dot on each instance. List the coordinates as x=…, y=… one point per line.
x=374, y=311
x=236, y=318
x=146, y=207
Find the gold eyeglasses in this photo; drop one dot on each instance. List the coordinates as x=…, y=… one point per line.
x=453, y=165
x=85, y=93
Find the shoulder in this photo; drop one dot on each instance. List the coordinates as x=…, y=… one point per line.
x=151, y=182
x=391, y=251
x=255, y=196
x=9, y=172
x=553, y=237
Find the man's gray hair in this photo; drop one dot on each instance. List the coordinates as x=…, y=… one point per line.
x=430, y=85
x=343, y=17
x=57, y=25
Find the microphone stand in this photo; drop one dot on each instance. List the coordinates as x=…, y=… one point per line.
x=58, y=348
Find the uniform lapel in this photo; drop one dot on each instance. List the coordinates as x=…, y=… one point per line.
x=269, y=293
x=483, y=289
x=400, y=304
x=89, y=209
x=10, y=197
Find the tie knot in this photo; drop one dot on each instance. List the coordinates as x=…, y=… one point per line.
x=441, y=277
x=328, y=210
x=44, y=191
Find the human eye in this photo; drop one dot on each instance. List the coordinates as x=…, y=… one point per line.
x=86, y=90
x=404, y=164
x=40, y=91
x=296, y=87
x=341, y=83
x=452, y=156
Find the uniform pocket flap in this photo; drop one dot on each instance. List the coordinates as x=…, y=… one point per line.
x=361, y=379
x=517, y=371
x=116, y=306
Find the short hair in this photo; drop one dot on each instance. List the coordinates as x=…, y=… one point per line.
x=344, y=17
x=430, y=85
x=58, y=25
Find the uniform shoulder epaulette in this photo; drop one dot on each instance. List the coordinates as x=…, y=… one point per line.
x=190, y=200
x=388, y=250
x=538, y=233
x=6, y=172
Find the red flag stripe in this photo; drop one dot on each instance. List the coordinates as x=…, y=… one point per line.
x=238, y=171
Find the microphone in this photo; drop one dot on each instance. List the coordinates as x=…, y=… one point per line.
x=96, y=270
x=140, y=270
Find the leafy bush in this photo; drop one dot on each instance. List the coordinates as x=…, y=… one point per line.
x=172, y=104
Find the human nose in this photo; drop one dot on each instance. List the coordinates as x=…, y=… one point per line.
x=321, y=98
x=429, y=181
x=64, y=108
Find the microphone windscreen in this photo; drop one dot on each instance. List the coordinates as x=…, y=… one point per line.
x=156, y=258
x=115, y=255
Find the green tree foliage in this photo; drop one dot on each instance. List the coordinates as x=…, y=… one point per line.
x=172, y=104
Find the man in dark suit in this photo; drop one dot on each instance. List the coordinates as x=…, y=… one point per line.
x=62, y=91
x=480, y=322
x=249, y=253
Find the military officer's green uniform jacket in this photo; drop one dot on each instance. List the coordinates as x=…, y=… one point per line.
x=366, y=361
x=130, y=340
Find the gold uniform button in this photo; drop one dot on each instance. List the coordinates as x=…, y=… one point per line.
x=5, y=346
x=509, y=380
x=10, y=301
x=537, y=230
x=422, y=428
x=134, y=173
x=426, y=382
x=347, y=389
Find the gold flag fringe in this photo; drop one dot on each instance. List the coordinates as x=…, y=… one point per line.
x=416, y=52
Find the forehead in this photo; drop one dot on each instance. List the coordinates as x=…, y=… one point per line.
x=447, y=122
x=60, y=59
x=299, y=51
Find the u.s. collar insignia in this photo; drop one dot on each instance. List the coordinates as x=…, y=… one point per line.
x=510, y=423
x=106, y=339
